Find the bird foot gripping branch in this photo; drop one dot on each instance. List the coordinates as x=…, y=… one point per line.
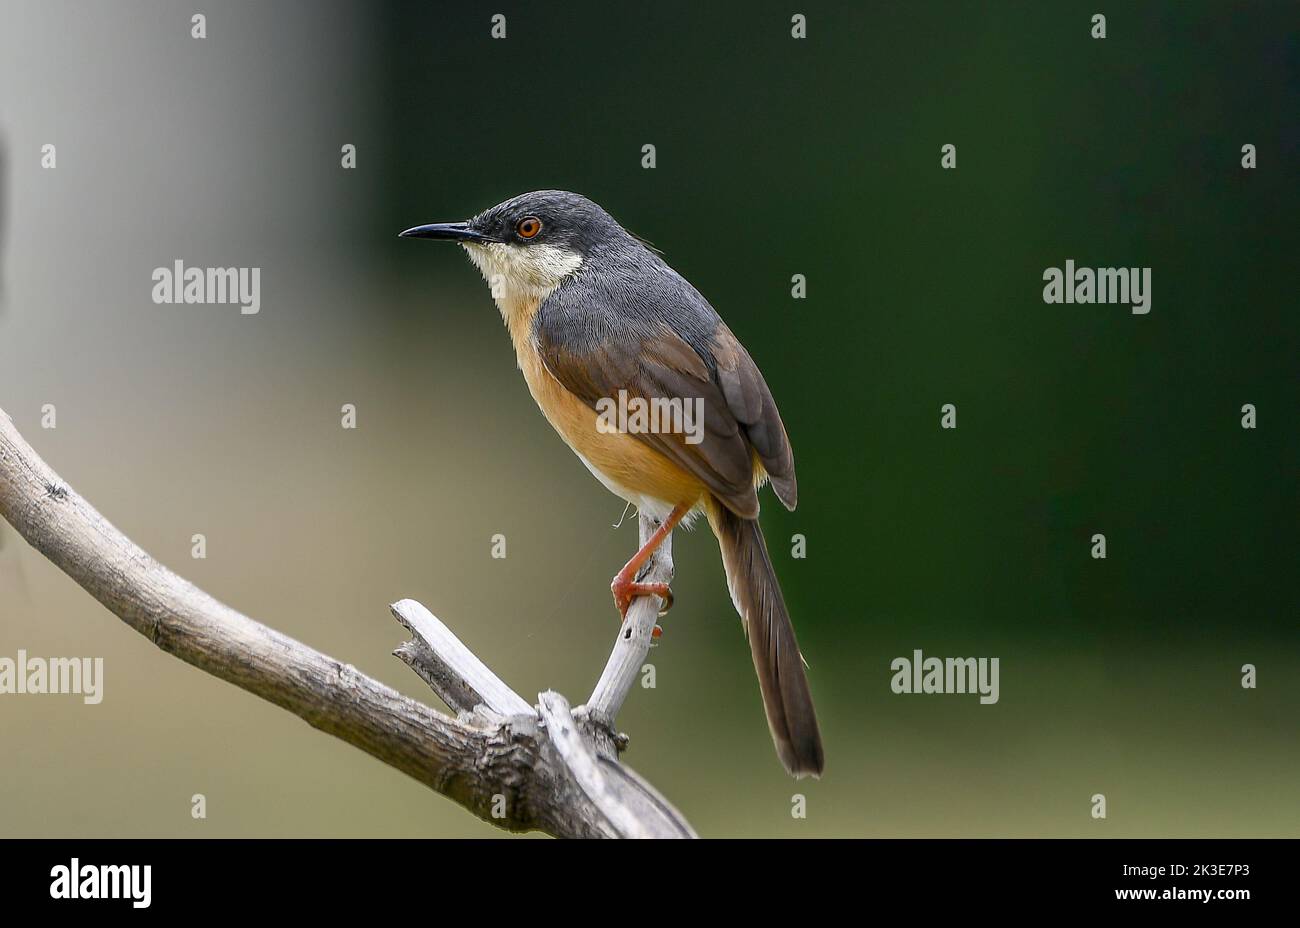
x=629, y=582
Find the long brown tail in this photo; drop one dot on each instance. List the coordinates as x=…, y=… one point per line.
x=777, y=660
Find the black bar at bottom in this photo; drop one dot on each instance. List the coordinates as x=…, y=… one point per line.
x=305, y=877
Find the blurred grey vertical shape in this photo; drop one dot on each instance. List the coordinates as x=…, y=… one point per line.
x=4, y=237
x=222, y=151
x=6, y=28
x=4, y=213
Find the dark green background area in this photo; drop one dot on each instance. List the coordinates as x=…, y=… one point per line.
x=774, y=157
x=821, y=157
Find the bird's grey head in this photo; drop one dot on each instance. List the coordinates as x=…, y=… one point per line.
x=530, y=244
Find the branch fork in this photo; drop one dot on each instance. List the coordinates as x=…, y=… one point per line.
x=557, y=768
x=583, y=742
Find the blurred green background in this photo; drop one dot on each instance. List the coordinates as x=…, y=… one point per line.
x=775, y=157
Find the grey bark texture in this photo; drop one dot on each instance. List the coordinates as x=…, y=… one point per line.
x=520, y=767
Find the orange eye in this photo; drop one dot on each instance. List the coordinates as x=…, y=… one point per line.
x=528, y=227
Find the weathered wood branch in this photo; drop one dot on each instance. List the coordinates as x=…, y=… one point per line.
x=513, y=765
x=633, y=643
x=452, y=671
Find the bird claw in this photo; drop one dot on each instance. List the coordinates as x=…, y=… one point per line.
x=625, y=593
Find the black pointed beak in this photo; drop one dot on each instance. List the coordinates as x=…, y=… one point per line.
x=447, y=232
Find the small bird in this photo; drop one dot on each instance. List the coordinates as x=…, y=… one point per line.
x=596, y=315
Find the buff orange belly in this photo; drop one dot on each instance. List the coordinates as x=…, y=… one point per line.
x=625, y=464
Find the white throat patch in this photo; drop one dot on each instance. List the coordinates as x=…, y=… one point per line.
x=522, y=274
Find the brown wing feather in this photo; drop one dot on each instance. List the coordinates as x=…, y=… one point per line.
x=740, y=419
x=750, y=401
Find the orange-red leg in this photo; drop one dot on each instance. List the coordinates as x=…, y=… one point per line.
x=625, y=586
